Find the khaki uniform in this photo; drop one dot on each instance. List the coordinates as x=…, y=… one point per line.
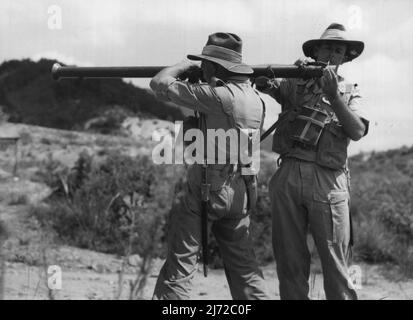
x=310, y=190
x=233, y=102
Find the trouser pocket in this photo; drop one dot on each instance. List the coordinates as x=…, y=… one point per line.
x=336, y=215
x=340, y=216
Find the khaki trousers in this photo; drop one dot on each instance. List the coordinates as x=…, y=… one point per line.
x=228, y=218
x=306, y=197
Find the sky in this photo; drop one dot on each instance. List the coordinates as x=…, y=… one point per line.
x=162, y=32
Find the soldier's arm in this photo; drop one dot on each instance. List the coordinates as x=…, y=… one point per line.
x=355, y=103
x=163, y=76
x=199, y=97
x=272, y=87
x=352, y=123
x=279, y=89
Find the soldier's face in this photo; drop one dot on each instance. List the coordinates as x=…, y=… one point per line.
x=208, y=70
x=333, y=52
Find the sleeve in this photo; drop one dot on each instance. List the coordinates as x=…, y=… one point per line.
x=355, y=103
x=198, y=97
x=280, y=90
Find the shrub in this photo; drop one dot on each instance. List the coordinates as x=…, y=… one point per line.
x=25, y=137
x=109, y=122
x=51, y=172
x=87, y=214
x=383, y=208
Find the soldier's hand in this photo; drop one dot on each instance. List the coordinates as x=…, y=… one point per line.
x=190, y=70
x=329, y=83
x=262, y=83
x=303, y=61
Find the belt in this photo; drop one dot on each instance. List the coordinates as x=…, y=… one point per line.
x=301, y=145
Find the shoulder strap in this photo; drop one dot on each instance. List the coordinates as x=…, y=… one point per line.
x=274, y=127
x=203, y=128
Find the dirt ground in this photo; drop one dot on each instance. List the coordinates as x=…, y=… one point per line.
x=86, y=280
x=28, y=249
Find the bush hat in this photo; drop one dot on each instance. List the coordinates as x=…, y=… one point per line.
x=224, y=49
x=335, y=33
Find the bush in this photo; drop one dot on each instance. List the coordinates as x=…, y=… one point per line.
x=96, y=210
x=4, y=117
x=383, y=208
x=86, y=211
x=51, y=172
x=109, y=122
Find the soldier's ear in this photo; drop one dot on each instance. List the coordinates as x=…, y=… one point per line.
x=316, y=50
x=215, y=68
x=209, y=68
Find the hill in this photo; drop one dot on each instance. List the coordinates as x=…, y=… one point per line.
x=28, y=94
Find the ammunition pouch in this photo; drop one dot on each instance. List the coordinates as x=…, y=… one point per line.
x=313, y=130
x=308, y=125
x=332, y=147
x=226, y=175
x=302, y=126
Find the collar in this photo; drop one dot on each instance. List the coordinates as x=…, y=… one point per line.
x=240, y=79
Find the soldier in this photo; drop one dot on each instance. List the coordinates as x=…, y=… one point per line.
x=226, y=101
x=311, y=187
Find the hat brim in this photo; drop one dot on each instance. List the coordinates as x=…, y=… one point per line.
x=240, y=68
x=354, y=47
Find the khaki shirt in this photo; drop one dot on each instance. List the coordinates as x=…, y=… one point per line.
x=233, y=101
x=298, y=92
x=285, y=91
